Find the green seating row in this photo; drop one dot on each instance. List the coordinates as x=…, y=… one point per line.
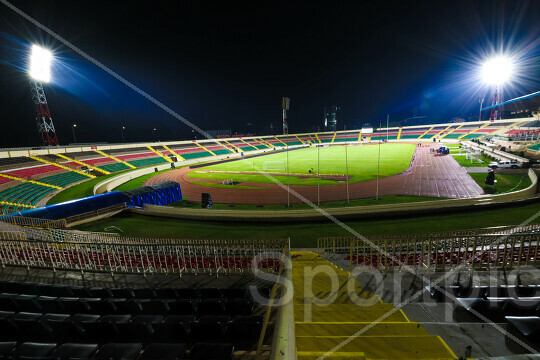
x=196, y=155
x=147, y=161
x=114, y=167
x=63, y=179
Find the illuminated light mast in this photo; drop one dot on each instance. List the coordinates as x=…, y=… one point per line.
x=40, y=72
x=496, y=72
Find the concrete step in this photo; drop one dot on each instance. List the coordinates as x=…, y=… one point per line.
x=348, y=313
x=381, y=347
x=367, y=329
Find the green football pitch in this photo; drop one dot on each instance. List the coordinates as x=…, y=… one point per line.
x=360, y=162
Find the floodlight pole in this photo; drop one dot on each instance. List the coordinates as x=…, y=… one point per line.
x=378, y=167
x=318, y=177
x=288, y=179
x=347, y=171
x=73, y=129
x=496, y=100
x=43, y=115
x=387, y=122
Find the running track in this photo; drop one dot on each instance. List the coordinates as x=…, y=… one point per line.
x=428, y=175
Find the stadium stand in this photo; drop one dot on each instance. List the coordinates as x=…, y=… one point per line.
x=110, y=322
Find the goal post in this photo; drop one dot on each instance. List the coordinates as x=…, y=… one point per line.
x=274, y=166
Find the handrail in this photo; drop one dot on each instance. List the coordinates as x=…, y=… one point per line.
x=138, y=258
x=273, y=293
x=480, y=251
x=284, y=340
x=341, y=244
x=34, y=222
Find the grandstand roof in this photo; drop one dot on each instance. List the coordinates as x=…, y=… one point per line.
x=525, y=102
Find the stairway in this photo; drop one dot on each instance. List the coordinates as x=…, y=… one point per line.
x=353, y=324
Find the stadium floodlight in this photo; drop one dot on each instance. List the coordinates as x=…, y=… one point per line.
x=497, y=71
x=40, y=64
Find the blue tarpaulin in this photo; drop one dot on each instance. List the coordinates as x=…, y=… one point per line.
x=74, y=207
x=159, y=194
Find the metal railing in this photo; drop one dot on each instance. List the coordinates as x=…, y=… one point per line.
x=484, y=251
x=91, y=214
x=138, y=258
x=342, y=244
x=34, y=222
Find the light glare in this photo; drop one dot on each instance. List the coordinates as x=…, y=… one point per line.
x=40, y=64
x=497, y=71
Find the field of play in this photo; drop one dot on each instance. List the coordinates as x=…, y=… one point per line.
x=331, y=162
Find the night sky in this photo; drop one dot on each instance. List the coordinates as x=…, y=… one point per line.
x=226, y=64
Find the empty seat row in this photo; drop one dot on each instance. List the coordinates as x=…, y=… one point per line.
x=114, y=351
x=496, y=308
x=128, y=293
x=483, y=292
x=106, y=306
x=243, y=331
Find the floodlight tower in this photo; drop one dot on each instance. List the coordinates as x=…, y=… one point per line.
x=40, y=71
x=285, y=101
x=496, y=72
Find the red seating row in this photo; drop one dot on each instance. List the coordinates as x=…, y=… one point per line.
x=32, y=171
x=135, y=156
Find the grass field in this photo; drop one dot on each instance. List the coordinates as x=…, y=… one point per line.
x=463, y=161
x=392, y=199
x=505, y=182
x=306, y=234
x=360, y=162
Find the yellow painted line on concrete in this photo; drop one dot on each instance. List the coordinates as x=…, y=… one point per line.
x=204, y=148
x=280, y=141
x=334, y=137
x=440, y=132
x=399, y=134
x=260, y=140
x=83, y=164
x=234, y=146
x=248, y=144
x=349, y=328
x=115, y=159
x=360, y=136
x=317, y=138
x=315, y=355
x=381, y=347
x=30, y=181
x=159, y=154
x=300, y=139
x=451, y=131
x=174, y=152
x=427, y=131
x=61, y=166
x=475, y=130
x=224, y=146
